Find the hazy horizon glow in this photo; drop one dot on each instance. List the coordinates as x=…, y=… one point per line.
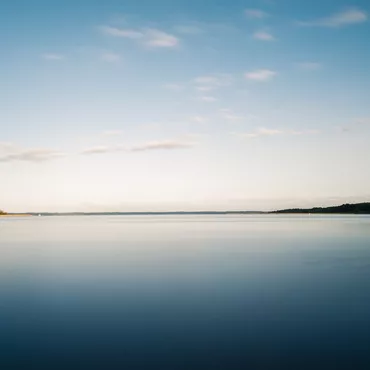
x=178, y=105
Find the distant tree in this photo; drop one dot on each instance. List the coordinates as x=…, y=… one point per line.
x=2, y=212
x=359, y=208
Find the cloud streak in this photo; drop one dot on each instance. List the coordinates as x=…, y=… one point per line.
x=98, y=150
x=162, y=145
x=119, y=32
x=152, y=145
x=29, y=155
x=151, y=37
x=261, y=75
x=263, y=36
x=229, y=115
x=346, y=17
x=52, y=56
x=159, y=39
x=212, y=82
x=260, y=132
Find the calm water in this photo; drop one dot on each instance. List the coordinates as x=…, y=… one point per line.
x=191, y=292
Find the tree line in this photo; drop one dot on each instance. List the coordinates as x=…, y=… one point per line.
x=359, y=208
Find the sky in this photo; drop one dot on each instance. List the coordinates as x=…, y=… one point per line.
x=157, y=105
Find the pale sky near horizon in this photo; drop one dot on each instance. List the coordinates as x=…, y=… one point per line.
x=183, y=104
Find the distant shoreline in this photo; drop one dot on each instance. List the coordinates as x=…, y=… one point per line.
x=355, y=209
x=16, y=215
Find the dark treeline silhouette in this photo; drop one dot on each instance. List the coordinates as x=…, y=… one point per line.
x=2, y=212
x=359, y=208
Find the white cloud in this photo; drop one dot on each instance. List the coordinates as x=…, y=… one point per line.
x=97, y=150
x=261, y=75
x=186, y=142
x=229, y=115
x=273, y=132
x=102, y=149
x=29, y=155
x=212, y=82
x=159, y=39
x=263, y=36
x=151, y=37
x=111, y=57
x=119, y=32
x=51, y=56
x=256, y=14
x=340, y=19
x=162, y=145
x=262, y=132
x=310, y=66
x=208, y=99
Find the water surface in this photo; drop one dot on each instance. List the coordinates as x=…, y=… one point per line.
x=185, y=292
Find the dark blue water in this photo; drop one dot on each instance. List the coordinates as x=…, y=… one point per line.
x=215, y=292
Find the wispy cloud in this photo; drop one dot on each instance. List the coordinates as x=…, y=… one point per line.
x=261, y=75
x=343, y=18
x=120, y=32
x=52, y=56
x=159, y=39
x=255, y=14
x=310, y=66
x=111, y=57
x=183, y=143
x=150, y=37
x=97, y=150
x=263, y=36
x=273, y=132
x=212, y=82
x=162, y=145
x=13, y=154
x=103, y=149
x=262, y=132
x=230, y=115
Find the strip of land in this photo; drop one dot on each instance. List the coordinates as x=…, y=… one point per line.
x=357, y=208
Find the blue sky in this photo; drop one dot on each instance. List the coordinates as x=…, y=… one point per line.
x=174, y=104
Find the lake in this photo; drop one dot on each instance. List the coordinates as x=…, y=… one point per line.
x=185, y=292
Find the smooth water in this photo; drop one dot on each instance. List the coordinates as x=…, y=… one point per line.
x=185, y=292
